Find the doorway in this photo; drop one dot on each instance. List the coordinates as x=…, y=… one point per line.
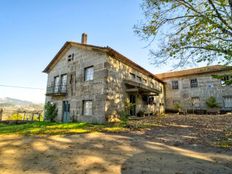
x=66, y=112
x=133, y=105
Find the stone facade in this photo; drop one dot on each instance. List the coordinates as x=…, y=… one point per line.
x=194, y=97
x=118, y=92
x=107, y=91
x=94, y=84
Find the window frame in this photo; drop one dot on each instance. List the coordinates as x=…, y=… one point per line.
x=56, y=83
x=224, y=103
x=175, y=84
x=84, y=108
x=193, y=84
x=86, y=75
x=70, y=57
x=63, y=86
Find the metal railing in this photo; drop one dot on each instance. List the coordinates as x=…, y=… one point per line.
x=57, y=90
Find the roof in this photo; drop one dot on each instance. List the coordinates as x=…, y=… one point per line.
x=111, y=52
x=194, y=71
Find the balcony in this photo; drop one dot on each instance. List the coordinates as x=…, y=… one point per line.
x=56, y=90
x=135, y=86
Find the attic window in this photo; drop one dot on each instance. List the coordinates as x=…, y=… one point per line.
x=70, y=57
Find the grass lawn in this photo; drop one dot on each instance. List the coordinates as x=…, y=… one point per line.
x=40, y=128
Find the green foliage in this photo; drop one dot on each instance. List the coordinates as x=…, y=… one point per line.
x=188, y=31
x=225, y=80
x=177, y=106
x=211, y=102
x=52, y=128
x=50, y=111
x=124, y=117
x=27, y=116
x=16, y=116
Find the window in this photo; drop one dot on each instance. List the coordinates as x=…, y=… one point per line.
x=89, y=73
x=139, y=79
x=56, y=83
x=224, y=79
x=175, y=84
x=70, y=57
x=63, y=82
x=87, y=107
x=196, y=101
x=193, y=83
x=227, y=101
x=132, y=76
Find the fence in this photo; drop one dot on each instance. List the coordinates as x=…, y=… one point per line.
x=21, y=115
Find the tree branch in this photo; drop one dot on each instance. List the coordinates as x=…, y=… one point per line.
x=219, y=16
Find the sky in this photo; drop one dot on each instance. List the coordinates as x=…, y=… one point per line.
x=32, y=32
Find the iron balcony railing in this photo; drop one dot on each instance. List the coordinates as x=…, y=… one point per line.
x=57, y=90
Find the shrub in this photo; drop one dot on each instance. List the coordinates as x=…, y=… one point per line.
x=50, y=111
x=140, y=113
x=211, y=102
x=177, y=106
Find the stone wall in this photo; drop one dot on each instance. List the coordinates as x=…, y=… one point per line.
x=116, y=89
x=107, y=89
x=207, y=86
x=78, y=89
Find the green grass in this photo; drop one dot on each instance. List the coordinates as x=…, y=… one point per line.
x=43, y=128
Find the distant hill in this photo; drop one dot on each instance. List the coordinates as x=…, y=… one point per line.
x=7, y=101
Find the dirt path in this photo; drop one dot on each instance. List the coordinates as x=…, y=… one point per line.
x=107, y=153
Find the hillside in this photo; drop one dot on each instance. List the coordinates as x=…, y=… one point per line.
x=7, y=101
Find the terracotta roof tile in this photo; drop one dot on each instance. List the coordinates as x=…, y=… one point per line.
x=194, y=71
x=107, y=50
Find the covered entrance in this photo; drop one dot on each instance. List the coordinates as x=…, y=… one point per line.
x=141, y=98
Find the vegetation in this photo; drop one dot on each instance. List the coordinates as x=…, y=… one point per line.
x=50, y=111
x=24, y=116
x=52, y=128
x=178, y=106
x=188, y=31
x=211, y=102
x=140, y=113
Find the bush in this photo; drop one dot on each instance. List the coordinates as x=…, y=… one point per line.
x=211, y=102
x=140, y=113
x=50, y=111
x=177, y=106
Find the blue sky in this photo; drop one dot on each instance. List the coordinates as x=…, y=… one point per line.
x=32, y=32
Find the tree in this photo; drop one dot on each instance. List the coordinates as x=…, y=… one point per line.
x=50, y=111
x=211, y=102
x=190, y=30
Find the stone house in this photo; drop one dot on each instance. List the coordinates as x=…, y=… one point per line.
x=92, y=84
x=191, y=88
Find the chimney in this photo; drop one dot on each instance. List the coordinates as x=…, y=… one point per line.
x=84, y=38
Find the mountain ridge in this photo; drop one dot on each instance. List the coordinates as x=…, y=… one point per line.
x=14, y=101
